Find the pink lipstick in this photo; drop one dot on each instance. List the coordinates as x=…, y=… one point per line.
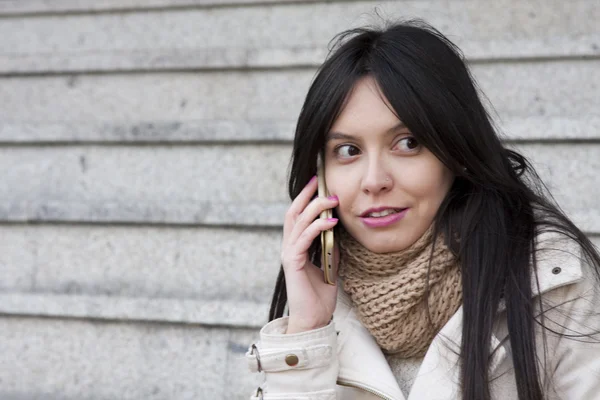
x=378, y=222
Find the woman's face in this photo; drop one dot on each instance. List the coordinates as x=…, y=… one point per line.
x=373, y=162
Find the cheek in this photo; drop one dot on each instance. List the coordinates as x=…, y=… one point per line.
x=343, y=187
x=430, y=182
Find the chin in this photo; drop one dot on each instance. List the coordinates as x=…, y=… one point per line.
x=383, y=247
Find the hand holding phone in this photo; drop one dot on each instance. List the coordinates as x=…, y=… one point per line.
x=311, y=301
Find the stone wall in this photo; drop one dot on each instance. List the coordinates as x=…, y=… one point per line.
x=144, y=147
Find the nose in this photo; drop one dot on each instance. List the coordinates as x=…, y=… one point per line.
x=377, y=177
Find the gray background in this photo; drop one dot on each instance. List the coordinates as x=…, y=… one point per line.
x=144, y=148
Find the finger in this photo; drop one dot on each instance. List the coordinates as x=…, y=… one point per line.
x=298, y=205
x=310, y=213
x=300, y=247
x=317, y=280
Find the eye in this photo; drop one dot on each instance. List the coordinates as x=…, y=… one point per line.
x=346, y=150
x=408, y=143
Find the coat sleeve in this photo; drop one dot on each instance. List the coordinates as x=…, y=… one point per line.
x=301, y=366
x=576, y=372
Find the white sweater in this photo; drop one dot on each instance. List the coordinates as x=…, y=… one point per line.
x=405, y=370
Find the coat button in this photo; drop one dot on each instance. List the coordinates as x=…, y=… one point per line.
x=291, y=360
x=556, y=270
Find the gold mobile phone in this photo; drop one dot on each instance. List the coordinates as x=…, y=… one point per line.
x=326, y=236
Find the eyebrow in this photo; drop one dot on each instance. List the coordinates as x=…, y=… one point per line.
x=344, y=136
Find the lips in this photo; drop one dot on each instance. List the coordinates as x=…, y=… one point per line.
x=379, y=210
x=381, y=222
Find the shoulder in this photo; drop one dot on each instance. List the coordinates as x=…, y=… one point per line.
x=569, y=285
x=561, y=271
x=569, y=319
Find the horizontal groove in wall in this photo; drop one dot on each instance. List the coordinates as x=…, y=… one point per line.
x=551, y=130
x=208, y=313
x=17, y=8
x=257, y=67
x=273, y=222
x=249, y=143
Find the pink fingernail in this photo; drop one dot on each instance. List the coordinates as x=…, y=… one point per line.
x=312, y=179
x=332, y=219
x=333, y=198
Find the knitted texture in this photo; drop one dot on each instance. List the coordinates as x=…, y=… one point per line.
x=392, y=291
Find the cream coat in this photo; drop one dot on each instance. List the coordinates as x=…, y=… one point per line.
x=342, y=360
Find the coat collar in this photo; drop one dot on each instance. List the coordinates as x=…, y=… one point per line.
x=363, y=364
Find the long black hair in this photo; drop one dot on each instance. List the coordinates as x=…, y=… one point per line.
x=496, y=206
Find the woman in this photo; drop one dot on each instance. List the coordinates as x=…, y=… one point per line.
x=458, y=277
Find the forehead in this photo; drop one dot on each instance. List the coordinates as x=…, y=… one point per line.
x=366, y=110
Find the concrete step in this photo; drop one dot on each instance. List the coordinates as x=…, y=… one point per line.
x=102, y=360
x=287, y=34
x=192, y=275
x=208, y=276
x=533, y=101
x=232, y=185
x=40, y=7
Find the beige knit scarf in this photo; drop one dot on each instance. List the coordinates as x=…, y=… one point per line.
x=390, y=291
